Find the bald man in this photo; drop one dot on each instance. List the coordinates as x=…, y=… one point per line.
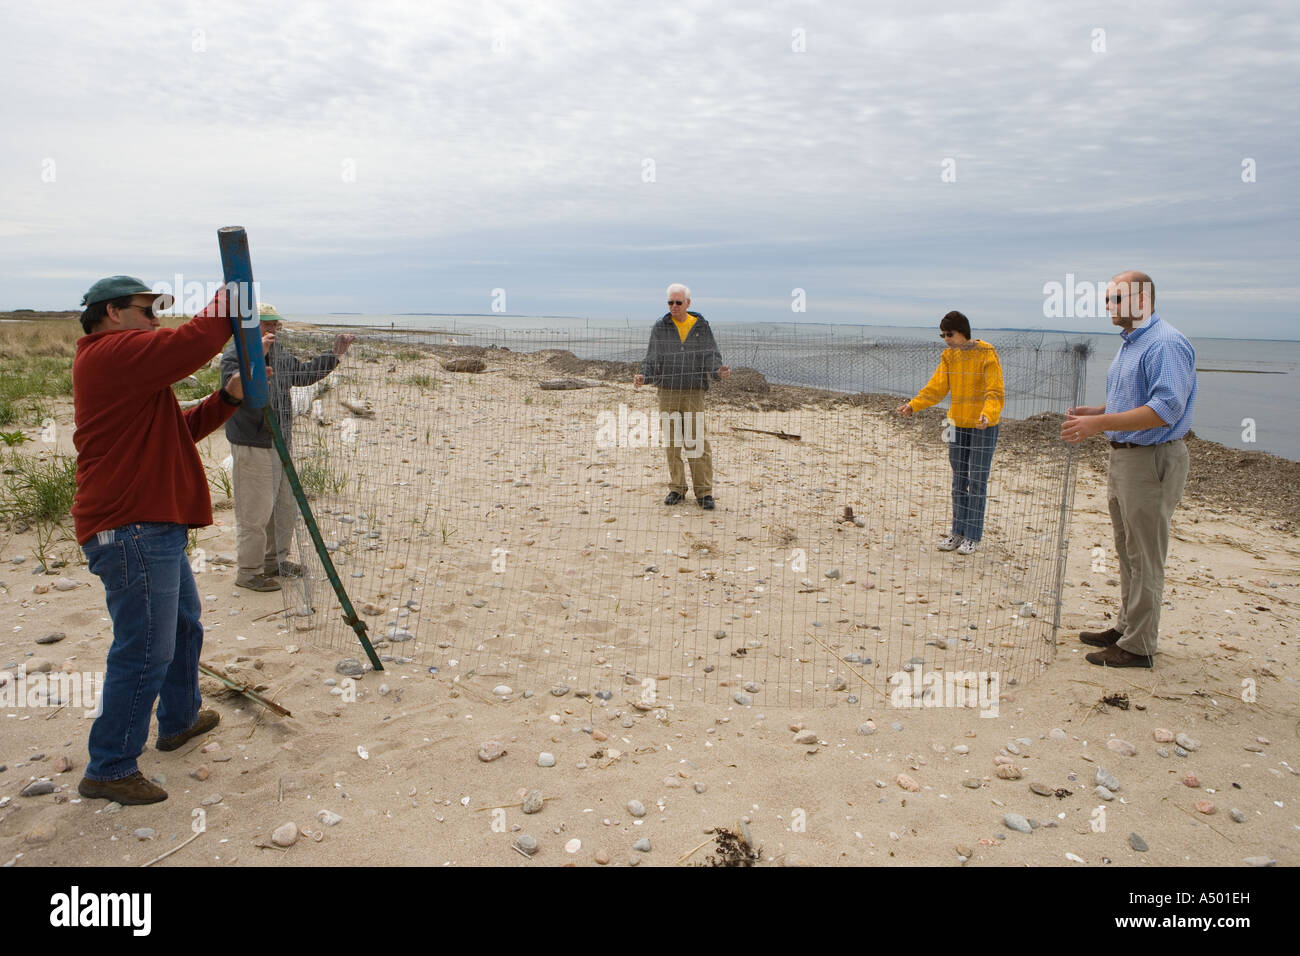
x=1150, y=394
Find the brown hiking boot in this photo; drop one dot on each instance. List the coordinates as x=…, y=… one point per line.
x=1118, y=657
x=286, y=569
x=130, y=791
x=1101, y=638
x=258, y=582
x=207, y=720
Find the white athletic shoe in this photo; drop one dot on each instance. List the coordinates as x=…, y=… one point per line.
x=950, y=543
x=967, y=546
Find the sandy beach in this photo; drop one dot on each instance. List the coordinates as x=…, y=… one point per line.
x=518, y=558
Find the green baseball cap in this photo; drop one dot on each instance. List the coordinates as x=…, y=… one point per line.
x=114, y=287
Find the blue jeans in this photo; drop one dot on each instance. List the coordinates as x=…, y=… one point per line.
x=157, y=638
x=971, y=455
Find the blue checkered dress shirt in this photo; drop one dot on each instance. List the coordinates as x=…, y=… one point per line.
x=1155, y=366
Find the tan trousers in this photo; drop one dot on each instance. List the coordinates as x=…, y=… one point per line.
x=1144, y=489
x=690, y=427
x=265, y=511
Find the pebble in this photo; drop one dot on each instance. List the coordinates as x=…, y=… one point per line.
x=1190, y=780
x=1162, y=751
x=1104, y=793
x=329, y=818
x=806, y=737
x=211, y=801
x=1056, y=733
x=1259, y=861
x=972, y=783
x=752, y=687
x=41, y=833
x=502, y=690
x=1180, y=751
x=867, y=729
x=559, y=690
x=1163, y=736
x=833, y=574
x=1007, y=771
x=545, y=759
x=1186, y=742
x=636, y=808
x=62, y=764
x=601, y=857
x=145, y=833
x=533, y=802
x=527, y=842
x=961, y=749
x=202, y=773
x=839, y=684
x=719, y=634
x=37, y=788
x=384, y=690
x=744, y=700
x=349, y=667
x=573, y=846
x=1042, y=789
x=605, y=694
x=1015, y=821
x=908, y=783
x=1205, y=806
x=700, y=787
x=52, y=638
x=1137, y=843
x=642, y=845
x=1237, y=815
x=113, y=807
x=895, y=726
x=1121, y=747
x=490, y=750
x=285, y=835
x=1107, y=779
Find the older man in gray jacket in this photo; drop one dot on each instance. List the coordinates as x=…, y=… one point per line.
x=265, y=511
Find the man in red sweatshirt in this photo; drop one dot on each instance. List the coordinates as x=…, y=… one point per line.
x=140, y=487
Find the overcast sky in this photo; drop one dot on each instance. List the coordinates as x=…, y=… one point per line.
x=892, y=160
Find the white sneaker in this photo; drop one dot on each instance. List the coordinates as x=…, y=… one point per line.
x=967, y=546
x=950, y=543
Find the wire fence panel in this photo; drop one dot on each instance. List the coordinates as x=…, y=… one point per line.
x=495, y=507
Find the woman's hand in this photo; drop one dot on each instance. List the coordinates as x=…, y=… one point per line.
x=905, y=409
x=983, y=422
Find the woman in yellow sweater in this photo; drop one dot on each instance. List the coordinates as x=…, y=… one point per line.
x=972, y=372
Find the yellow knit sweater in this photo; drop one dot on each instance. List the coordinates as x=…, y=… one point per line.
x=974, y=376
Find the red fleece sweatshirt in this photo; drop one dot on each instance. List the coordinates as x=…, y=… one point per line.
x=136, y=454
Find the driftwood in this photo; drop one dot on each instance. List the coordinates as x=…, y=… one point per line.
x=567, y=383
x=465, y=365
x=358, y=407
x=218, y=674
x=761, y=431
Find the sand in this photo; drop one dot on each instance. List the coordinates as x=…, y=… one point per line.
x=400, y=764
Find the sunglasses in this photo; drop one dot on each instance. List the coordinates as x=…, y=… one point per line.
x=676, y=301
x=1114, y=299
x=148, y=310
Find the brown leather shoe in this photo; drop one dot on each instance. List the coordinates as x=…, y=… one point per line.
x=1118, y=657
x=1101, y=638
x=257, y=582
x=130, y=791
x=207, y=720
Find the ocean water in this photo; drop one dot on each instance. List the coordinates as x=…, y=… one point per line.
x=1247, y=398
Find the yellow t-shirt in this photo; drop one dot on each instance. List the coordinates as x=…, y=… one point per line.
x=974, y=376
x=684, y=326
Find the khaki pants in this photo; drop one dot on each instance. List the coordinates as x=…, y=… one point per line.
x=686, y=400
x=1144, y=489
x=265, y=511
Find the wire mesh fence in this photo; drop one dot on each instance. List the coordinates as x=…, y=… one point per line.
x=495, y=505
